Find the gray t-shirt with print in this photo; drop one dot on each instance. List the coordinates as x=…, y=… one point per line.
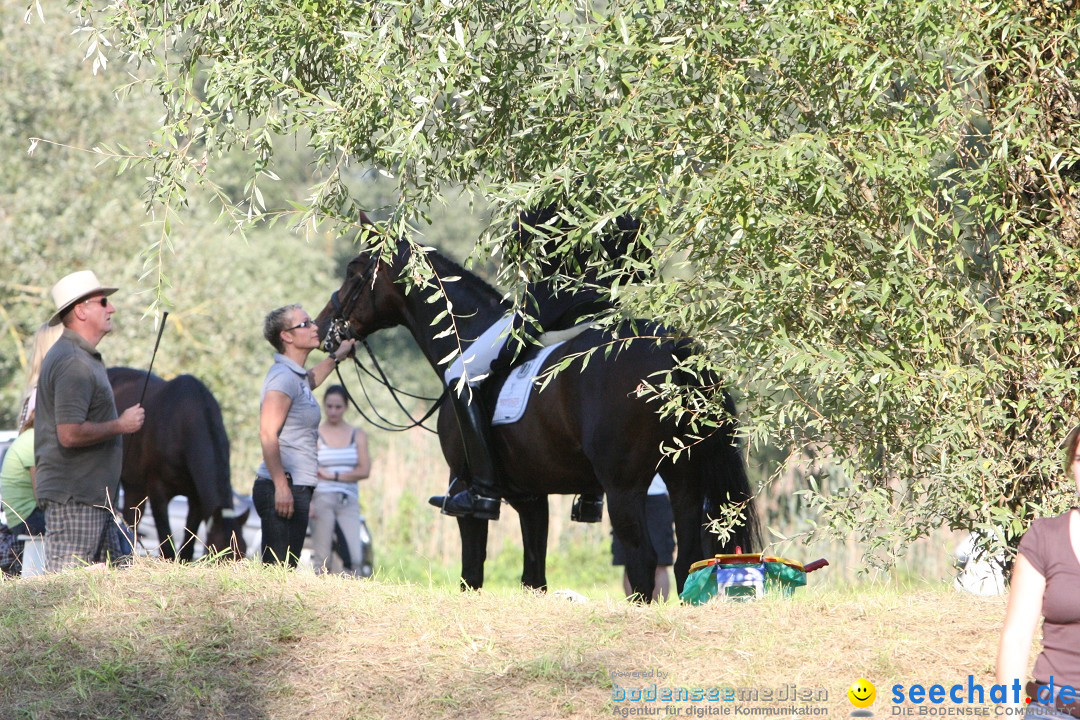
x=299, y=435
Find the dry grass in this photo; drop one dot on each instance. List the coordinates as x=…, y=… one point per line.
x=243, y=641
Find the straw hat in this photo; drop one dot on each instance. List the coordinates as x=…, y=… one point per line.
x=73, y=288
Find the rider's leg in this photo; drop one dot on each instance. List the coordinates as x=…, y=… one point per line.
x=474, y=362
x=481, y=498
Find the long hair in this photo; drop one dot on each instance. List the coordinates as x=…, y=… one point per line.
x=45, y=337
x=28, y=424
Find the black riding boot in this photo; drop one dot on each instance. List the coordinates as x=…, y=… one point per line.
x=481, y=498
x=587, y=508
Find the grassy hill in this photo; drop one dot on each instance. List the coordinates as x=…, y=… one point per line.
x=244, y=641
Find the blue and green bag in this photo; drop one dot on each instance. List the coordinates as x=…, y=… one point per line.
x=744, y=575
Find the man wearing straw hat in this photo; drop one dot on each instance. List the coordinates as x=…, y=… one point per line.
x=78, y=446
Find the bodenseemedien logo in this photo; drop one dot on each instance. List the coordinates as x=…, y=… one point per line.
x=862, y=694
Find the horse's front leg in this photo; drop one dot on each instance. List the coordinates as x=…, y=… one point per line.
x=533, y=517
x=191, y=528
x=474, y=536
x=159, y=508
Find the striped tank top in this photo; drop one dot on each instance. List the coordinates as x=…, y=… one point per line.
x=338, y=460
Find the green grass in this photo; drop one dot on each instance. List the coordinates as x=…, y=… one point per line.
x=582, y=565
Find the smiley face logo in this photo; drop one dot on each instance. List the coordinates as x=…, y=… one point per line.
x=862, y=693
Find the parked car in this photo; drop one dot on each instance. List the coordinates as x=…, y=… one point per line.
x=178, y=509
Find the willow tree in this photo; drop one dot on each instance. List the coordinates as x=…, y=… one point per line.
x=874, y=201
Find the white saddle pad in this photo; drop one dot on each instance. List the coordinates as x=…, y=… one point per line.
x=514, y=395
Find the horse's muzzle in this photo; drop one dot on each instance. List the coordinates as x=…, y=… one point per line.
x=339, y=331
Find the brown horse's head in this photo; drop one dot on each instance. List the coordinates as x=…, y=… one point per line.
x=225, y=531
x=368, y=300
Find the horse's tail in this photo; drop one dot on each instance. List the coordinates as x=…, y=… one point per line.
x=207, y=454
x=721, y=469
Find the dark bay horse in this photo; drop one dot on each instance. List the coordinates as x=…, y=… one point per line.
x=182, y=449
x=589, y=431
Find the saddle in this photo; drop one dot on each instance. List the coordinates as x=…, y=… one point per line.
x=517, y=388
x=514, y=393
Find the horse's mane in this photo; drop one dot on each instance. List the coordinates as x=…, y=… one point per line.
x=452, y=267
x=459, y=269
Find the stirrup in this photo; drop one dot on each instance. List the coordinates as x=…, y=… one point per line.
x=468, y=504
x=587, y=509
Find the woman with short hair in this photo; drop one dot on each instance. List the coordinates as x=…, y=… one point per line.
x=288, y=430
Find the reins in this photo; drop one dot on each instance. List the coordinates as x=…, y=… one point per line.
x=342, y=308
x=383, y=380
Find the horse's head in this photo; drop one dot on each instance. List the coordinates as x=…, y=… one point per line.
x=225, y=531
x=365, y=302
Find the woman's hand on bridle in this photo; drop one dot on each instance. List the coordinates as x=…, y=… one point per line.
x=346, y=349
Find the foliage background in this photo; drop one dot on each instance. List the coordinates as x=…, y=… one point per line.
x=63, y=207
x=874, y=203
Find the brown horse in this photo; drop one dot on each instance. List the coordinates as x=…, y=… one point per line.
x=589, y=431
x=182, y=449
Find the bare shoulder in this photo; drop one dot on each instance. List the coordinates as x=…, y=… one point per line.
x=336, y=436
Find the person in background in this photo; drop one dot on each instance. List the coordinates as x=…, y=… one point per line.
x=45, y=337
x=343, y=462
x=17, y=481
x=1045, y=583
x=660, y=522
x=288, y=432
x=17, y=476
x=77, y=441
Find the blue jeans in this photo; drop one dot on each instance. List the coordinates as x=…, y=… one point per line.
x=281, y=537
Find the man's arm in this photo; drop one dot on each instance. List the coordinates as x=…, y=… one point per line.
x=76, y=435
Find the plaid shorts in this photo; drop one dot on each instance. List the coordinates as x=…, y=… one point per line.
x=78, y=535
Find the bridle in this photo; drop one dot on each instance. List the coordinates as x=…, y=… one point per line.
x=341, y=329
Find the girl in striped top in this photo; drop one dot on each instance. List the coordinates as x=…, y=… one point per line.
x=343, y=461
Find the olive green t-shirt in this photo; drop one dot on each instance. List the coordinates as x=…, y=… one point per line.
x=74, y=388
